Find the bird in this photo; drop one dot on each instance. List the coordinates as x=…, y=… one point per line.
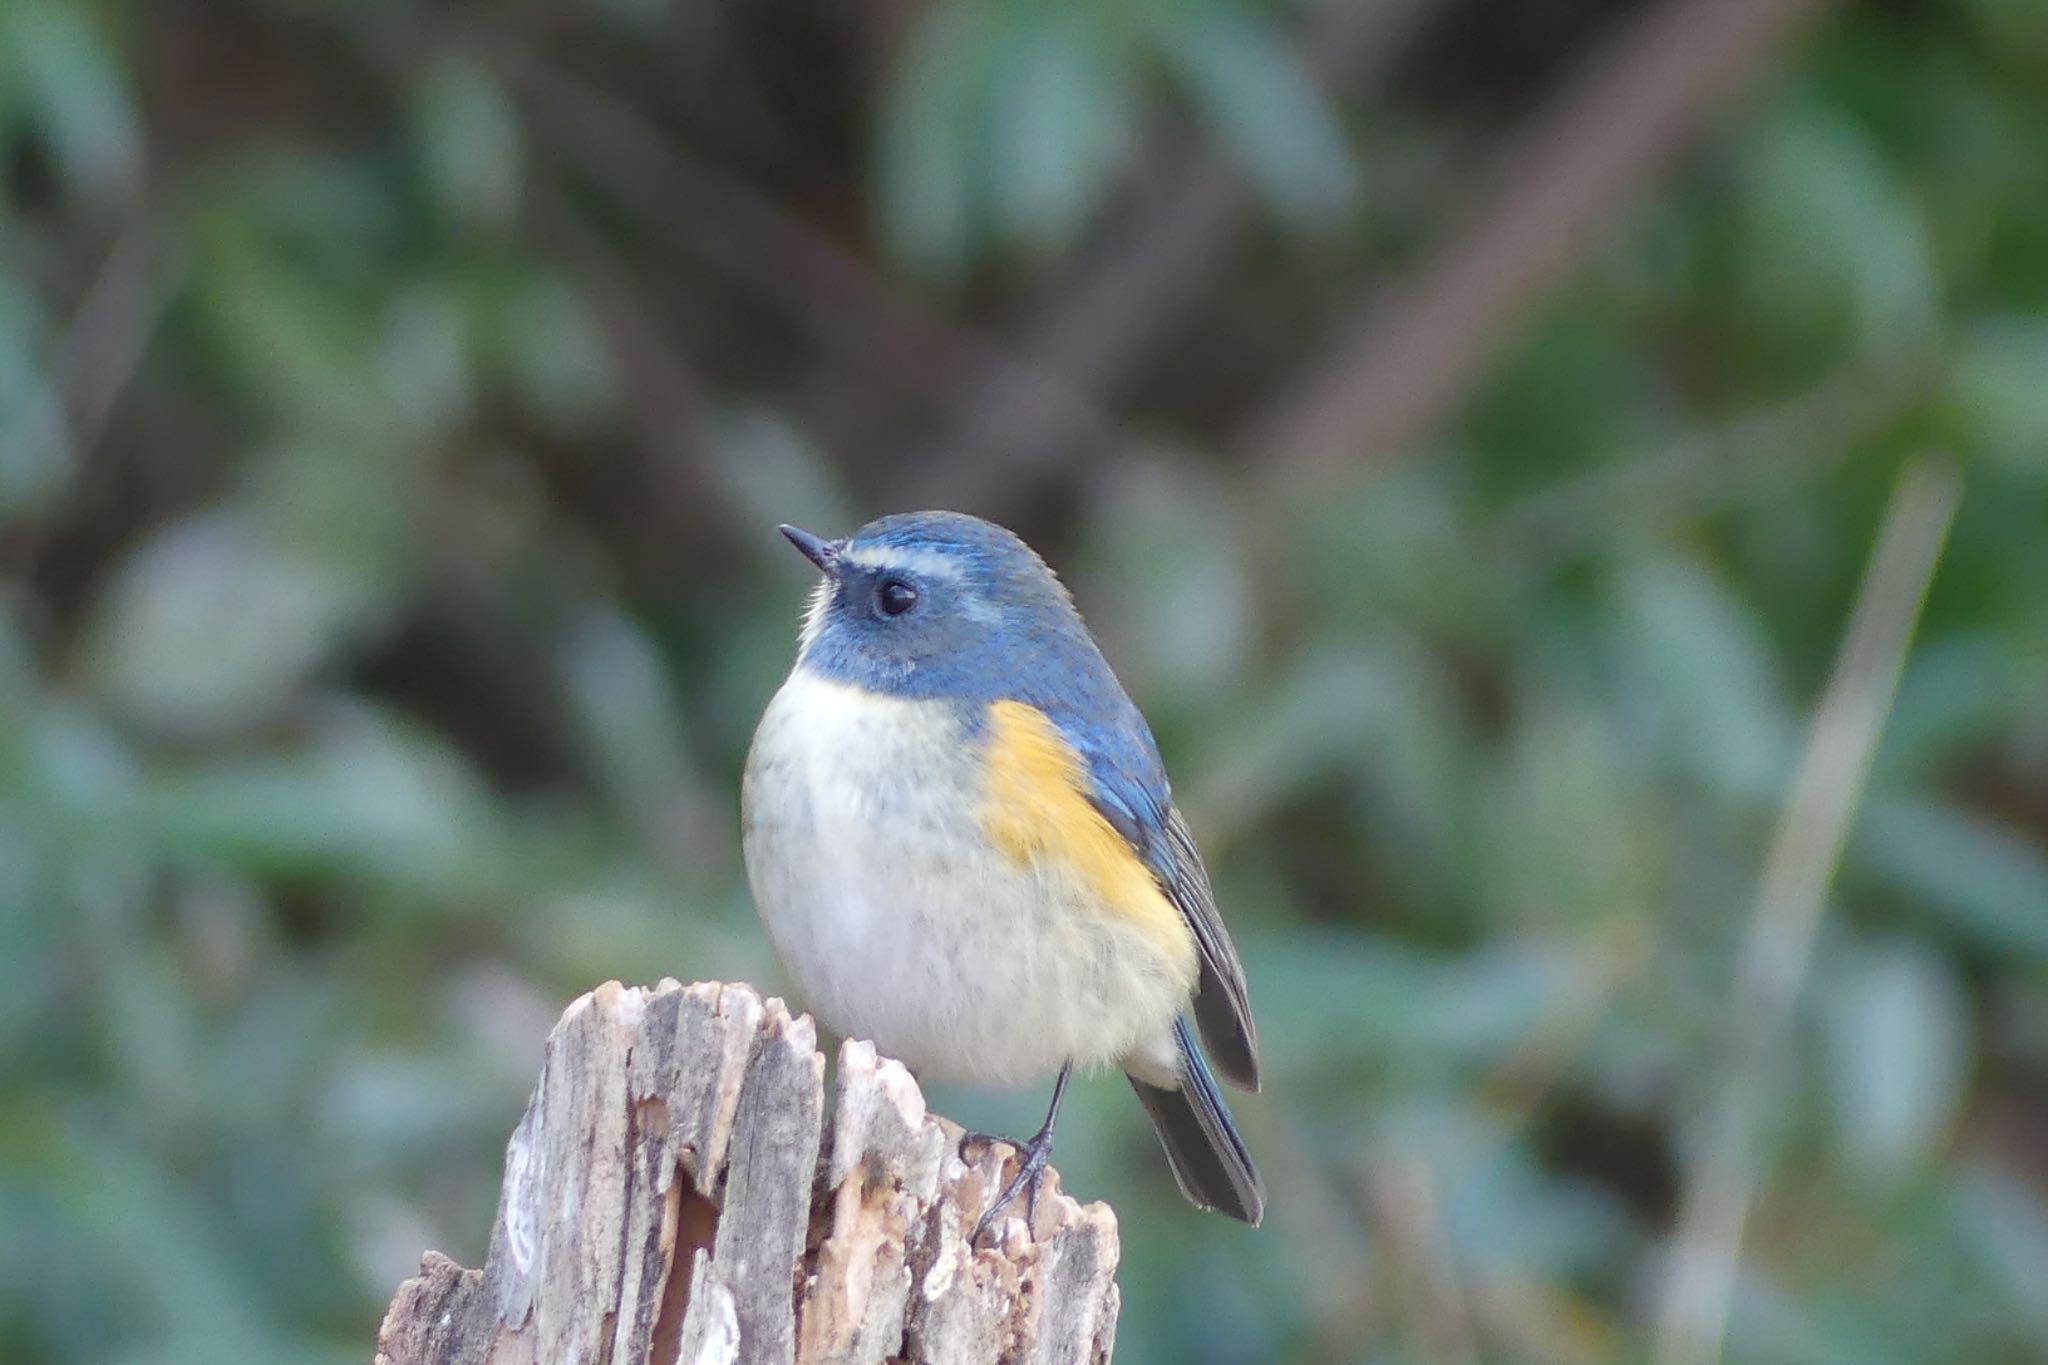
x=961, y=841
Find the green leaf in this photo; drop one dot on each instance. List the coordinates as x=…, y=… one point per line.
x=1504, y=1215
x=543, y=337
x=773, y=472
x=211, y=626
x=2002, y=1216
x=1177, y=593
x=152, y=1243
x=1697, y=673
x=297, y=345
x=35, y=449
x=370, y=801
x=1060, y=121
x=2017, y=28
x=1379, y=718
x=426, y=378
x=1955, y=693
x=1897, y=1033
x=1572, y=837
x=627, y=710
x=1996, y=392
x=1402, y=1007
x=930, y=140
x=1987, y=882
x=469, y=143
x=1256, y=95
x=1834, y=256
x=1392, y=546
x=74, y=95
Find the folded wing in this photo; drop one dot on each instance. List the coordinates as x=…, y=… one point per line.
x=1131, y=792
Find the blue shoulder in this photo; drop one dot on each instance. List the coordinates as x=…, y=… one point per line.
x=1130, y=784
x=1123, y=767
x=1065, y=676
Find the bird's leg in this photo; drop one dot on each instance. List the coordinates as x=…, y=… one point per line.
x=1031, y=1169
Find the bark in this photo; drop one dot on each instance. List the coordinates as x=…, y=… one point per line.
x=676, y=1193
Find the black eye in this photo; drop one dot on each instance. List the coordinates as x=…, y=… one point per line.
x=895, y=597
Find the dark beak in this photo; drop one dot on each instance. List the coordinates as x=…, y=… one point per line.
x=823, y=553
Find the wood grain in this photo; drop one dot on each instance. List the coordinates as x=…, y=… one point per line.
x=675, y=1193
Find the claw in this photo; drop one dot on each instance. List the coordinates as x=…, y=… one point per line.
x=1030, y=1176
x=1031, y=1166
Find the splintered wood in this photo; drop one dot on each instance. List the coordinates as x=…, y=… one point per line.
x=673, y=1196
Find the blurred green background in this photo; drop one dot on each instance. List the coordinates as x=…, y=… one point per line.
x=1465, y=422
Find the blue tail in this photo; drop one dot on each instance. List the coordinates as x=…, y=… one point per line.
x=1202, y=1145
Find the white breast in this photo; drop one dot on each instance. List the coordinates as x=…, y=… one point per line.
x=899, y=923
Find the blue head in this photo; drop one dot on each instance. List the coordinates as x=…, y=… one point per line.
x=945, y=606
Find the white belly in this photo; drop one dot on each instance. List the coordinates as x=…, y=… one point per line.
x=900, y=924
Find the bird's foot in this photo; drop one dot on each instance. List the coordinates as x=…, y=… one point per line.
x=1031, y=1168
x=1031, y=1164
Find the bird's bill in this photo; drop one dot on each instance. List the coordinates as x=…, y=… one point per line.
x=821, y=552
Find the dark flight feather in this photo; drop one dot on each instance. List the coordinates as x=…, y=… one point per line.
x=1202, y=1145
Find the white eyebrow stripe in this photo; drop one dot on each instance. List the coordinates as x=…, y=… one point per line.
x=909, y=558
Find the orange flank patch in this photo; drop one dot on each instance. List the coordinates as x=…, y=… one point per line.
x=1036, y=808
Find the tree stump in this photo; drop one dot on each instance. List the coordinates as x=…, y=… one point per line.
x=673, y=1195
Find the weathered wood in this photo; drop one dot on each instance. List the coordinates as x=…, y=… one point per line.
x=674, y=1195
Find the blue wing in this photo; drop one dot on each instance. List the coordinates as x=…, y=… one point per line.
x=1131, y=791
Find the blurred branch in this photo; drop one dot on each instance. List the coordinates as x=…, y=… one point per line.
x=1565, y=178
x=98, y=358
x=1190, y=205
x=815, y=282
x=1402, y=1190
x=107, y=339
x=674, y=1193
x=1527, y=1319
x=1700, y=1277
x=1794, y=440
x=668, y=511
